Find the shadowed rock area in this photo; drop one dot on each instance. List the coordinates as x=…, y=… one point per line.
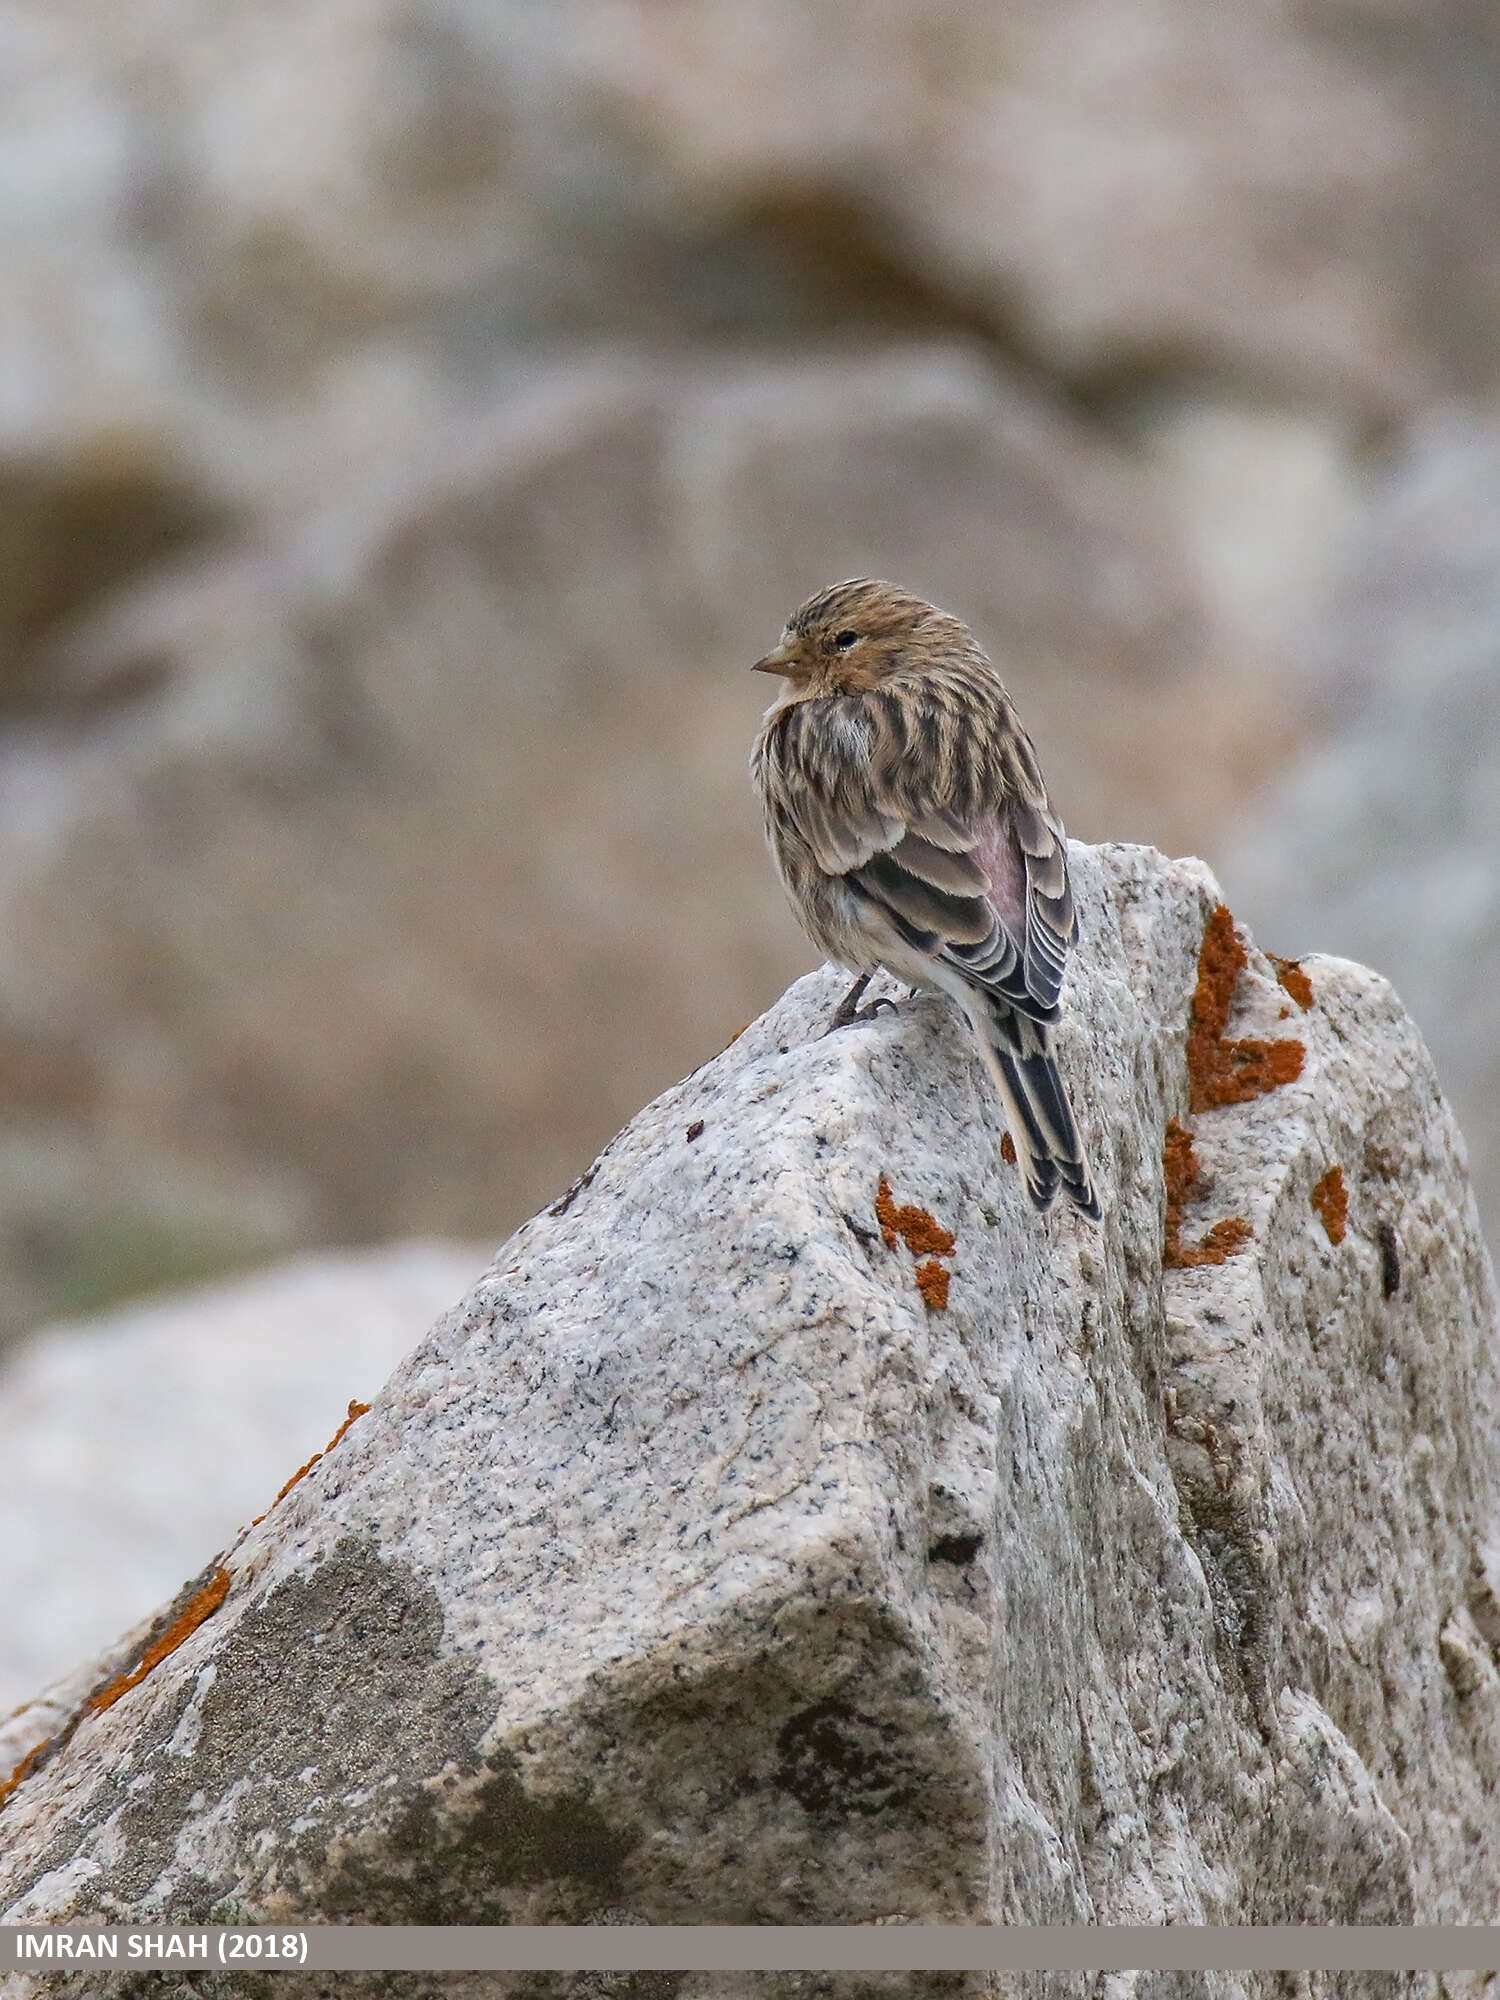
x=702, y=1566
x=134, y=1442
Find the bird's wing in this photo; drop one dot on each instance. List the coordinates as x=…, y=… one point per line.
x=997, y=907
x=1024, y=853
x=986, y=893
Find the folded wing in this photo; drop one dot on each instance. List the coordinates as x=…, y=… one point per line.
x=998, y=908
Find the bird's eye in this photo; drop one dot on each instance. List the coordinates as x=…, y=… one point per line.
x=844, y=640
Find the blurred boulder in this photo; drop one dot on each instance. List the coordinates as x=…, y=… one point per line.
x=363, y=884
x=136, y=1440
x=1382, y=840
x=1301, y=199
x=1297, y=198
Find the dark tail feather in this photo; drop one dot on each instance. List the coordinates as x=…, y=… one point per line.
x=1052, y=1137
x=1042, y=1128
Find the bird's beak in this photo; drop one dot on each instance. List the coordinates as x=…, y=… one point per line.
x=776, y=661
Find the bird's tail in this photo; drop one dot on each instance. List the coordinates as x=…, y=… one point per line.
x=1043, y=1131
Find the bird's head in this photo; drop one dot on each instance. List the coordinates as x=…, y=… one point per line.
x=852, y=636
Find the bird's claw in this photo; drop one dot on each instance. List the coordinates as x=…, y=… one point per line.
x=849, y=1010
x=857, y=1015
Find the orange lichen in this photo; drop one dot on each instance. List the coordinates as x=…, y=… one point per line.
x=1221, y=1071
x=1331, y=1199
x=924, y=1236
x=885, y=1212
x=1290, y=975
x=1219, y=1243
x=932, y=1283
x=194, y=1613
x=918, y=1228
x=355, y=1410
x=1180, y=1166
x=1181, y=1171
x=24, y=1769
x=1008, y=1150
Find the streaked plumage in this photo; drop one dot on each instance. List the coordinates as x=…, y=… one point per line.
x=909, y=822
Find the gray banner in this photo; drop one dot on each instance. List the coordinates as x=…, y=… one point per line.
x=768, y=1948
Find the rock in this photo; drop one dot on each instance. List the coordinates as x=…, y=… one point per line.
x=713, y=1561
x=1261, y=503
x=1377, y=841
x=1304, y=200
x=133, y=1440
x=468, y=751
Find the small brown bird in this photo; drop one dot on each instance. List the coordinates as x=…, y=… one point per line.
x=910, y=826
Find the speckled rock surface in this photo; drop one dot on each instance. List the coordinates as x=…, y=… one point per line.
x=696, y=1568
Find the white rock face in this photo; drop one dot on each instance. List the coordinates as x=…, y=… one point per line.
x=135, y=1440
x=716, y=1561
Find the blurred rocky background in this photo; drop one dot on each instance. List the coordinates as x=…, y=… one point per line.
x=415, y=414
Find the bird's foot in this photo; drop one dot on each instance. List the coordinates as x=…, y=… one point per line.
x=848, y=1011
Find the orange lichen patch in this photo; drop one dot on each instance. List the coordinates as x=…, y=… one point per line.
x=355, y=1410
x=885, y=1212
x=1221, y=1071
x=182, y=1628
x=1331, y=1199
x=1008, y=1150
x=1180, y=1168
x=24, y=1769
x=924, y=1236
x=918, y=1228
x=1219, y=1243
x=932, y=1283
x=1289, y=974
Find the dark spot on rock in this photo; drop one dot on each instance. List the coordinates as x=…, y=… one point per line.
x=1390, y=1260
x=562, y=1206
x=695, y=1130
x=955, y=1548
x=832, y=1759
x=338, y=1707
x=502, y=1836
